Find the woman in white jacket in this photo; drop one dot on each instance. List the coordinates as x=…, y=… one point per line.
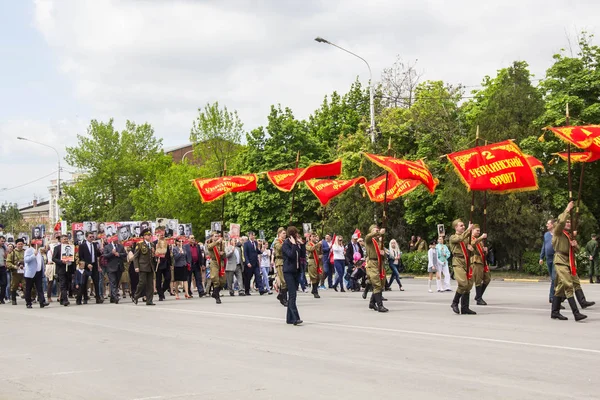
x=432, y=266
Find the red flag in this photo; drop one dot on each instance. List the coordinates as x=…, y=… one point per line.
x=285, y=180
x=404, y=169
x=584, y=156
x=533, y=162
x=498, y=167
x=331, y=250
x=211, y=189
x=357, y=233
x=396, y=188
x=586, y=137
x=57, y=226
x=327, y=189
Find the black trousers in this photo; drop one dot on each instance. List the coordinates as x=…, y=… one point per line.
x=292, y=279
x=37, y=281
x=134, y=279
x=3, y=282
x=114, y=278
x=247, y=276
x=64, y=285
x=97, y=279
x=70, y=283
x=197, y=274
x=82, y=291
x=163, y=280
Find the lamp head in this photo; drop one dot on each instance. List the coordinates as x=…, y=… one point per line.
x=21, y=138
x=321, y=40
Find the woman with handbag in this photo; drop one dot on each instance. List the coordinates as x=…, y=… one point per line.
x=291, y=250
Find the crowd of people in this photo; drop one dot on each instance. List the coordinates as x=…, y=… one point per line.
x=183, y=267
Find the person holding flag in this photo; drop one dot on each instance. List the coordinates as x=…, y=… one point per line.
x=481, y=271
x=375, y=252
x=461, y=262
x=314, y=251
x=567, y=283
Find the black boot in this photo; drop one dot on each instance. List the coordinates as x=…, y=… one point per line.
x=591, y=279
x=480, y=301
x=454, y=304
x=556, y=309
x=578, y=316
x=581, y=299
x=216, y=295
x=285, y=297
x=315, y=291
x=464, y=303
x=367, y=288
x=372, y=302
x=380, y=306
x=13, y=295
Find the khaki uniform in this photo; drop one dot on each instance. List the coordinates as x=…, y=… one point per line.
x=218, y=282
x=16, y=278
x=459, y=263
x=313, y=264
x=373, y=261
x=279, y=264
x=479, y=275
x=144, y=260
x=565, y=284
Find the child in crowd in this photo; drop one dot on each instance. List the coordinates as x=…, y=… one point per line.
x=432, y=266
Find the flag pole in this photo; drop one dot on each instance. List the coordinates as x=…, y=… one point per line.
x=385, y=204
x=294, y=191
x=567, y=121
x=223, y=200
x=472, y=191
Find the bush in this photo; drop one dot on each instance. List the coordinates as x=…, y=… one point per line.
x=531, y=264
x=415, y=262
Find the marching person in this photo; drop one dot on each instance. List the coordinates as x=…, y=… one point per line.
x=89, y=253
x=567, y=282
x=164, y=262
x=265, y=265
x=314, y=250
x=278, y=262
x=196, y=259
x=81, y=280
x=481, y=271
x=443, y=253
x=375, y=252
x=432, y=267
x=547, y=253
x=461, y=262
x=115, y=255
x=62, y=271
x=591, y=248
x=217, y=266
x=180, y=272
x=251, y=264
x=233, y=253
x=291, y=250
x=143, y=261
x=3, y=271
x=339, y=260
x=16, y=265
x=33, y=271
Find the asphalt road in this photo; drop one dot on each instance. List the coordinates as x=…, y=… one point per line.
x=242, y=348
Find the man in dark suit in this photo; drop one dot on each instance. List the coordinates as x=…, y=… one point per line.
x=62, y=271
x=145, y=266
x=115, y=256
x=196, y=259
x=251, y=253
x=89, y=254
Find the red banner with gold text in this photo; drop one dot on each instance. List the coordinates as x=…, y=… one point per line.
x=498, y=167
x=405, y=169
x=586, y=137
x=211, y=189
x=285, y=180
x=327, y=189
x=585, y=156
x=396, y=188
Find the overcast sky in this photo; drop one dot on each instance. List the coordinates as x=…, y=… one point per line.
x=65, y=62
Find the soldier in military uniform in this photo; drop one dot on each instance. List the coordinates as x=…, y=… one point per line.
x=145, y=265
x=461, y=263
x=217, y=259
x=278, y=257
x=591, y=248
x=567, y=282
x=481, y=271
x=314, y=250
x=15, y=263
x=375, y=254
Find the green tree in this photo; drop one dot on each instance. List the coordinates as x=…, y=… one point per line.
x=216, y=134
x=10, y=217
x=113, y=164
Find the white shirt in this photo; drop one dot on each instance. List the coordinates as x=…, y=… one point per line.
x=338, y=252
x=91, y=249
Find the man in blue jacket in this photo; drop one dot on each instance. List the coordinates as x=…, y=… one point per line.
x=547, y=253
x=251, y=265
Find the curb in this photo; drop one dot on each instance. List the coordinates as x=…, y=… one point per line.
x=498, y=279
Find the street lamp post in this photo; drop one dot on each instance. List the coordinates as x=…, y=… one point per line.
x=57, y=172
x=371, y=96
